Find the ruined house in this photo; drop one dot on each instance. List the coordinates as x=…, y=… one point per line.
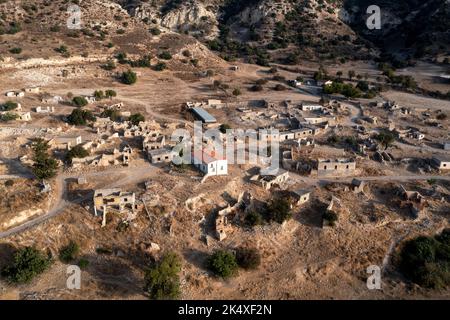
x=163, y=155
x=302, y=196
x=269, y=179
x=358, y=186
x=441, y=162
x=336, y=167
x=113, y=201
x=65, y=142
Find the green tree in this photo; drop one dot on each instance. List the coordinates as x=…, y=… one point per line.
x=79, y=101
x=386, y=139
x=28, y=263
x=8, y=106
x=223, y=264
x=279, y=210
x=110, y=93
x=137, y=118
x=44, y=166
x=99, y=94
x=80, y=117
x=129, y=77
x=76, y=152
x=162, y=280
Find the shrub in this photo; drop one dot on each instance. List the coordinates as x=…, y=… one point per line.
x=15, y=50
x=256, y=88
x=110, y=65
x=426, y=260
x=279, y=87
x=253, y=218
x=83, y=263
x=160, y=66
x=237, y=92
x=137, y=118
x=223, y=264
x=162, y=280
x=69, y=252
x=248, y=258
x=224, y=127
x=79, y=101
x=129, y=77
x=28, y=263
x=331, y=217
x=279, y=210
x=155, y=31
x=112, y=114
x=9, y=183
x=8, y=106
x=165, y=55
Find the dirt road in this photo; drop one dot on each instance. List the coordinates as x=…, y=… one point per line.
x=133, y=175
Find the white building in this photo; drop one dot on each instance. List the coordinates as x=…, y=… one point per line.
x=311, y=107
x=210, y=165
x=441, y=162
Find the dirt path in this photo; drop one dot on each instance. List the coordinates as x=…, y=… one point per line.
x=133, y=175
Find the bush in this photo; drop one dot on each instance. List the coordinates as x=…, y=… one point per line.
x=69, y=252
x=9, y=183
x=162, y=280
x=28, y=263
x=279, y=87
x=83, y=263
x=331, y=217
x=426, y=260
x=137, y=118
x=256, y=88
x=237, y=92
x=112, y=114
x=8, y=106
x=155, y=31
x=76, y=152
x=160, y=66
x=129, y=77
x=224, y=127
x=248, y=258
x=79, y=101
x=253, y=218
x=165, y=55
x=223, y=264
x=279, y=210
x=15, y=50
